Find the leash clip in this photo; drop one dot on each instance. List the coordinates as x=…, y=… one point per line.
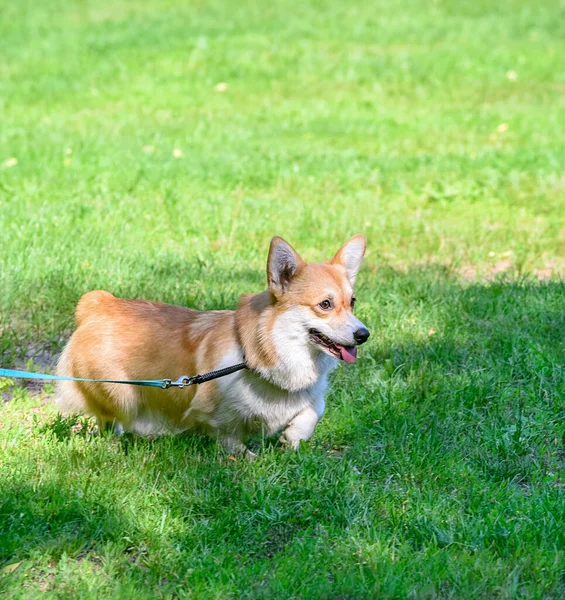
x=182, y=381
x=166, y=384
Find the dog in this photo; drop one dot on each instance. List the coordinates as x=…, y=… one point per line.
x=290, y=337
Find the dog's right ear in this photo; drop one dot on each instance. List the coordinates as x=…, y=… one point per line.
x=282, y=265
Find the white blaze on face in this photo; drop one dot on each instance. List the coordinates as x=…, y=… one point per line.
x=340, y=332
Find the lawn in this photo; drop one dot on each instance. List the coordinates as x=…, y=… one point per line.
x=152, y=148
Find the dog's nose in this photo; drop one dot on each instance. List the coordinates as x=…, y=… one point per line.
x=361, y=335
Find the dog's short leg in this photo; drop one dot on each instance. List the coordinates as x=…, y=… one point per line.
x=110, y=425
x=302, y=426
x=233, y=443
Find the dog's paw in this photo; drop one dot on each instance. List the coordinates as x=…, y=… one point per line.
x=246, y=454
x=250, y=455
x=289, y=442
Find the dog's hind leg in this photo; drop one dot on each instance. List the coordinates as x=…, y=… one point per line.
x=109, y=425
x=69, y=398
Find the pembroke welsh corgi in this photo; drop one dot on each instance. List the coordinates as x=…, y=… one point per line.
x=290, y=337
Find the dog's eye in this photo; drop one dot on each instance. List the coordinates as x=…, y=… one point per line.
x=325, y=305
x=353, y=301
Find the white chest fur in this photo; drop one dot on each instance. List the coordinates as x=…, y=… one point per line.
x=248, y=402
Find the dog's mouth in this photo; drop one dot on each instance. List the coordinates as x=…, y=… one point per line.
x=346, y=353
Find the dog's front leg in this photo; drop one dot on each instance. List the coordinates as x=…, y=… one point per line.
x=303, y=425
x=233, y=444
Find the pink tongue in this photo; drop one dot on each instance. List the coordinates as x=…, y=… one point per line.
x=349, y=355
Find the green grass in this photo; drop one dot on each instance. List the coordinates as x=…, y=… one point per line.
x=437, y=129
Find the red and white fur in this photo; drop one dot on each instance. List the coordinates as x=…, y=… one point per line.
x=290, y=336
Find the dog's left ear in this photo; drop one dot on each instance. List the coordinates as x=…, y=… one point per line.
x=350, y=256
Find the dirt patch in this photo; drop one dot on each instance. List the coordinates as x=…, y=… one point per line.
x=550, y=270
x=468, y=272
x=38, y=357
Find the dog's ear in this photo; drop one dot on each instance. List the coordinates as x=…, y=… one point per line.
x=282, y=265
x=350, y=256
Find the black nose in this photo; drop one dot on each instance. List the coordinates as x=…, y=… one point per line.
x=361, y=335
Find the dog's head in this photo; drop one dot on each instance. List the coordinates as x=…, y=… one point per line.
x=317, y=299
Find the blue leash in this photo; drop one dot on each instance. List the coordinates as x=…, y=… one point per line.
x=164, y=384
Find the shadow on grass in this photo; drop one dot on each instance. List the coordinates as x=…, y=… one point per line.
x=487, y=345
x=462, y=372
x=520, y=324
x=51, y=519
